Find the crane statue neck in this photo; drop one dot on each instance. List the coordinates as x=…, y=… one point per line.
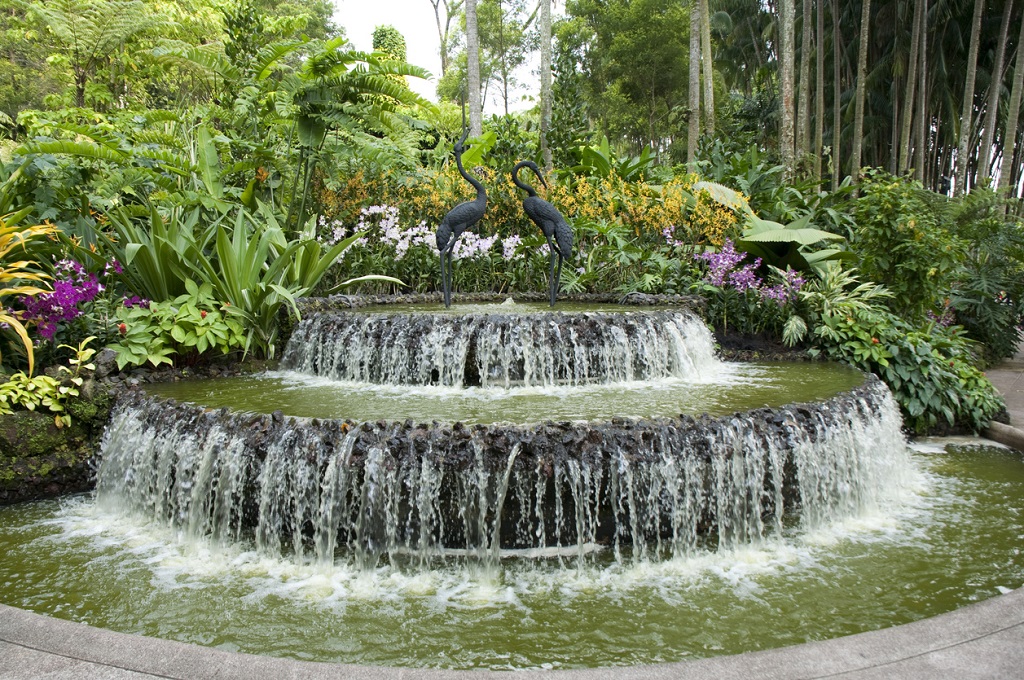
x=481, y=194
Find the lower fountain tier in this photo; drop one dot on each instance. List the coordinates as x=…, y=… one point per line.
x=654, y=487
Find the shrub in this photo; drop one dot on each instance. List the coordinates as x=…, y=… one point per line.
x=903, y=246
x=931, y=369
x=183, y=328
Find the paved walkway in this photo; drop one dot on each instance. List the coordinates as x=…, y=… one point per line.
x=984, y=640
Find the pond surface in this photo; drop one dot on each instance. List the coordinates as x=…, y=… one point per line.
x=719, y=390
x=953, y=538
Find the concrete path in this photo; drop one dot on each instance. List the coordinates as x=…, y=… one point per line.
x=984, y=640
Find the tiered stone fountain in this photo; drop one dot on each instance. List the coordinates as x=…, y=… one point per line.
x=385, y=487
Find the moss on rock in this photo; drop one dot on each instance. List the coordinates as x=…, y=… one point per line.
x=40, y=460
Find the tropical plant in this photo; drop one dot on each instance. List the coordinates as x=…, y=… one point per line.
x=902, y=244
x=931, y=369
x=183, y=328
x=155, y=252
x=21, y=391
x=20, y=272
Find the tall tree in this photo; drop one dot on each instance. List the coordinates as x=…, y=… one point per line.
x=545, y=82
x=90, y=32
x=803, y=120
x=506, y=37
x=967, y=108
x=906, y=119
x=449, y=9
x=921, y=119
x=1006, y=172
x=693, y=129
x=708, y=68
x=819, y=89
x=476, y=123
x=786, y=30
x=861, y=82
x=995, y=89
x=837, y=134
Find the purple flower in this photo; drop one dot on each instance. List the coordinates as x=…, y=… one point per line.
x=721, y=266
x=71, y=287
x=786, y=291
x=136, y=301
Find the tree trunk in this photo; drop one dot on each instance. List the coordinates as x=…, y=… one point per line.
x=908, y=102
x=545, y=82
x=858, y=104
x=706, y=62
x=787, y=76
x=995, y=88
x=693, y=131
x=476, y=123
x=921, y=147
x=837, y=121
x=1006, y=171
x=803, y=121
x=963, y=148
x=819, y=91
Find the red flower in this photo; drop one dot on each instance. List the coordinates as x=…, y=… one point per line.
x=122, y=329
x=202, y=313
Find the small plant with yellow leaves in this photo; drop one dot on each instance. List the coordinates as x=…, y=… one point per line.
x=19, y=272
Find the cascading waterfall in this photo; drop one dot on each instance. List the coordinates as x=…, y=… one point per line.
x=647, y=489
x=499, y=350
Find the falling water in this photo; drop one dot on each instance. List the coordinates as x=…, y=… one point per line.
x=501, y=350
x=647, y=489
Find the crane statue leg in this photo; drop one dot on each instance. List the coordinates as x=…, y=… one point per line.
x=446, y=276
x=552, y=281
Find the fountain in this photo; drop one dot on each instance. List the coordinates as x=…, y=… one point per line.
x=411, y=476
x=382, y=486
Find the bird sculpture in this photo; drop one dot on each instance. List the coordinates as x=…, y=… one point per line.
x=556, y=230
x=459, y=219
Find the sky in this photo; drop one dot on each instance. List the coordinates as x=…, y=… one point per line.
x=415, y=20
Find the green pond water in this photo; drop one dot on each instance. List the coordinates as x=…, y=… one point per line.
x=953, y=538
x=723, y=389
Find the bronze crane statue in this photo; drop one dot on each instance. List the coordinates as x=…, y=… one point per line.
x=459, y=219
x=556, y=230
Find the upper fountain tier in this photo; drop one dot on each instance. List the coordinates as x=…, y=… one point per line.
x=501, y=347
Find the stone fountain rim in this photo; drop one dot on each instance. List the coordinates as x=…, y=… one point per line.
x=870, y=383
x=637, y=300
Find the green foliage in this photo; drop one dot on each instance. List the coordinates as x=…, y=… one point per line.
x=602, y=161
x=902, y=244
x=20, y=272
x=634, y=57
x=183, y=328
x=22, y=392
x=88, y=33
x=930, y=369
x=390, y=41
x=156, y=252
x=988, y=298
